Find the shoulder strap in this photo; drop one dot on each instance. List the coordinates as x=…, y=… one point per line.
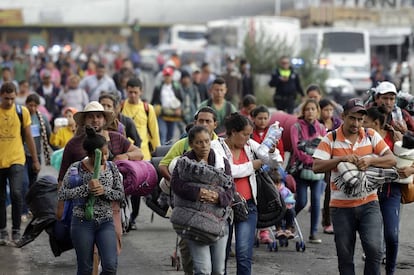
x=209, y=102
x=333, y=135
x=186, y=145
x=299, y=130
x=19, y=112
x=228, y=108
x=146, y=108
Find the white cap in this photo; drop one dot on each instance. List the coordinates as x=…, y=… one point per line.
x=386, y=87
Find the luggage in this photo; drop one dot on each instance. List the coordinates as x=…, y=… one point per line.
x=140, y=177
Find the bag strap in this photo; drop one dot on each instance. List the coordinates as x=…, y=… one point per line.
x=146, y=108
x=19, y=112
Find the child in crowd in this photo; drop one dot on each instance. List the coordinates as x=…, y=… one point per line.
x=285, y=227
x=247, y=106
x=62, y=133
x=260, y=116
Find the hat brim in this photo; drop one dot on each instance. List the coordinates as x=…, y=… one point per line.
x=79, y=117
x=358, y=109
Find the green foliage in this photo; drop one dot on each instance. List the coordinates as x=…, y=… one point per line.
x=263, y=52
x=309, y=72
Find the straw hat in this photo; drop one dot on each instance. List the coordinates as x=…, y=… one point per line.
x=93, y=106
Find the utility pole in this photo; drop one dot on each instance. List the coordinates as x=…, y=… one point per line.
x=126, y=12
x=277, y=7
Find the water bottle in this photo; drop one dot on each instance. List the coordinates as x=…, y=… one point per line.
x=265, y=168
x=273, y=135
x=74, y=181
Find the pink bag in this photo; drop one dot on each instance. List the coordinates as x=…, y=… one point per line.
x=140, y=177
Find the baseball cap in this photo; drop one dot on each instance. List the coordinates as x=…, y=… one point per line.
x=355, y=105
x=386, y=87
x=167, y=71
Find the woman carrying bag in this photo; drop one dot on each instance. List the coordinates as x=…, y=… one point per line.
x=203, y=189
x=239, y=149
x=306, y=134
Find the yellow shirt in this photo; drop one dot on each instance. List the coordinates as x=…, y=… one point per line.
x=62, y=136
x=11, y=144
x=143, y=122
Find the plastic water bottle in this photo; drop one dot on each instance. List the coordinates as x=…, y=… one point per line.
x=273, y=135
x=74, y=181
x=265, y=168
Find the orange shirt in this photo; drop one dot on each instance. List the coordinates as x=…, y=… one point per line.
x=242, y=184
x=364, y=146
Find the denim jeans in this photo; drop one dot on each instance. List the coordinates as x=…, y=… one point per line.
x=14, y=174
x=365, y=219
x=389, y=198
x=302, y=200
x=166, y=129
x=209, y=259
x=85, y=234
x=245, y=233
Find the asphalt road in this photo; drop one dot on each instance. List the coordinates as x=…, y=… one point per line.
x=148, y=251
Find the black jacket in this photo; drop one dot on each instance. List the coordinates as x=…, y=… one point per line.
x=288, y=88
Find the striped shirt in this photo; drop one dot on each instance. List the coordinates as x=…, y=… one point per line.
x=365, y=146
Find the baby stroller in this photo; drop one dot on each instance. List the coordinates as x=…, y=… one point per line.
x=279, y=233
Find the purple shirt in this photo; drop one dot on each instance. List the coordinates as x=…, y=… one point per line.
x=74, y=151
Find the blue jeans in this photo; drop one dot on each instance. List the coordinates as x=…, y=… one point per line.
x=389, y=199
x=209, y=259
x=245, y=237
x=15, y=175
x=302, y=200
x=367, y=220
x=85, y=234
x=166, y=129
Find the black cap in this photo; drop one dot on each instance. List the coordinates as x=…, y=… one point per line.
x=355, y=105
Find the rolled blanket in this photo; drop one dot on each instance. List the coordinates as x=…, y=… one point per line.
x=203, y=222
x=357, y=183
x=201, y=172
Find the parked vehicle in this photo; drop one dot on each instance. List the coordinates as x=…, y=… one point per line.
x=347, y=49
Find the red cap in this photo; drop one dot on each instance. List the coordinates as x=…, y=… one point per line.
x=167, y=71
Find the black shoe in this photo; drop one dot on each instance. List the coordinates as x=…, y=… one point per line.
x=132, y=226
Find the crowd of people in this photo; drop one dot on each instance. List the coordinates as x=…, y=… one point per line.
x=82, y=110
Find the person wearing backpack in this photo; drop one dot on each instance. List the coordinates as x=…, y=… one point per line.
x=167, y=100
x=305, y=131
x=359, y=212
x=220, y=105
x=14, y=127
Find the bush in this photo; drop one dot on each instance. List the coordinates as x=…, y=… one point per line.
x=263, y=54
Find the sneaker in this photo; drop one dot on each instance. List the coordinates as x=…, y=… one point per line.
x=280, y=234
x=16, y=236
x=328, y=229
x=24, y=218
x=314, y=239
x=264, y=237
x=289, y=234
x=132, y=226
x=4, y=237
